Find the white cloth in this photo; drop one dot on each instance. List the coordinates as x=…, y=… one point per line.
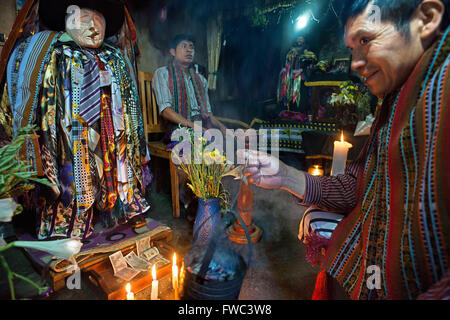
x=319, y=222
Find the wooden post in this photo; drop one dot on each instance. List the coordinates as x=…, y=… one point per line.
x=236, y=232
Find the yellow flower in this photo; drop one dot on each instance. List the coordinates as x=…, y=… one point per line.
x=213, y=153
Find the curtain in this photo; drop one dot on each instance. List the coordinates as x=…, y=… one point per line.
x=214, y=44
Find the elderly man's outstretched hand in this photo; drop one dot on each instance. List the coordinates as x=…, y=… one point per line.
x=263, y=169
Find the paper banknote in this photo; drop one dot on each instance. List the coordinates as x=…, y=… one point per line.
x=136, y=262
x=142, y=245
x=120, y=268
x=127, y=274
x=150, y=253
x=158, y=260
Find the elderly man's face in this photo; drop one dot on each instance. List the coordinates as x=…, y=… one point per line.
x=91, y=31
x=380, y=53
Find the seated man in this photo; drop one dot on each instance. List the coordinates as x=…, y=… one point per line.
x=393, y=200
x=182, y=97
x=181, y=92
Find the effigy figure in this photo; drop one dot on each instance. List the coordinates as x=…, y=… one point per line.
x=80, y=91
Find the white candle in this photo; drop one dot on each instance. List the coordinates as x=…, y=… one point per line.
x=175, y=276
x=154, y=285
x=130, y=295
x=340, y=156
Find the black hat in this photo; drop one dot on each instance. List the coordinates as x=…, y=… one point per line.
x=180, y=37
x=52, y=13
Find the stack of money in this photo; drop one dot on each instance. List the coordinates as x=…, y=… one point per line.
x=150, y=254
x=144, y=260
x=119, y=264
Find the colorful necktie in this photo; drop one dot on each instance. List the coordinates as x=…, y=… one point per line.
x=90, y=92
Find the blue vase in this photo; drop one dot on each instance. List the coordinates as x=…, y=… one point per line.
x=208, y=217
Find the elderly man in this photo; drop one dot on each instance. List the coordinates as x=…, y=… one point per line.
x=393, y=240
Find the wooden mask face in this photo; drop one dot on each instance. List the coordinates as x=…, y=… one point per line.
x=86, y=27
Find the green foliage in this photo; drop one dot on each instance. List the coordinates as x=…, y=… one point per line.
x=352, y=94
x=15, y=176
x=259, y=18
x=15, y=180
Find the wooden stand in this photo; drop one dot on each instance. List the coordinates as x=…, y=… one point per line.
x=113, y=288
x=236, y=232
x=57, y=280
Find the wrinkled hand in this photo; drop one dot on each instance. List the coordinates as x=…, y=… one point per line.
x=263, y=170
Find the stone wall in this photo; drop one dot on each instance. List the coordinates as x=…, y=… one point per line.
x=7, y=16
x=155, y=34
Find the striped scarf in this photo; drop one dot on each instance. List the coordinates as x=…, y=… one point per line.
x=177, y=87
x=401, y=221
x=25, y=71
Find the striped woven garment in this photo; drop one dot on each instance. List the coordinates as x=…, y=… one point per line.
x=24, y=71
x=177, y=86
x=401, y=220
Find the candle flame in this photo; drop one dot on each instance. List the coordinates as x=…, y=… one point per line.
x=342, y=135
x=128, y=287
x=174, y=259
x=153, y=272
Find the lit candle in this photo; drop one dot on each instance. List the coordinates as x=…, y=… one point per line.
x=340, y=156
x=316, y=170
x=182, y=271
x=175, y=276
x=130, y=295
x=154, y=285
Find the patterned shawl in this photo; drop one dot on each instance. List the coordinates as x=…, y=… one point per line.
x=401, y=221
x=177, y=87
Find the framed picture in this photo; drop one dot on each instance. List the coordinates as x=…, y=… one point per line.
x=341, y=64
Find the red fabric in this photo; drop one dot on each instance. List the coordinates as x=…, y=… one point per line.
x=131, y=26
x=321, y=288
x=314, y=244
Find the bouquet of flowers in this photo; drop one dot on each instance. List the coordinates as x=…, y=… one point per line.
x=204, y=165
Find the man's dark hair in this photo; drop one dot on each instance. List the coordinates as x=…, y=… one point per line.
x=181, y=37
x=399, y=12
